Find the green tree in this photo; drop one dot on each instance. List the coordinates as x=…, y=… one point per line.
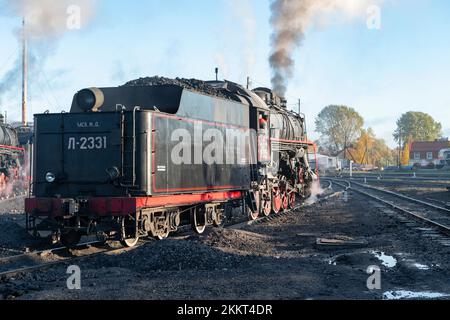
x=417, y=126
x=339, y=126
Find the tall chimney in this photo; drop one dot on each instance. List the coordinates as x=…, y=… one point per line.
x=24, y=74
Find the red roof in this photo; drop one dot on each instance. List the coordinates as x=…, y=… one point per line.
x=429, y=146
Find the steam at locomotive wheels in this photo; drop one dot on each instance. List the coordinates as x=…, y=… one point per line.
x=145, y=158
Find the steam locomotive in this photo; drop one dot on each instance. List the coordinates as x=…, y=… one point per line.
x=145, y=158
x=10, y=157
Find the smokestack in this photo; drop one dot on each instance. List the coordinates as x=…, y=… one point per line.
x=24, y=74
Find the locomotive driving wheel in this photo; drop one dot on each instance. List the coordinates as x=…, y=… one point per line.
x=285, y=199
x=276, y=200
x=253, y=215
x=198, y=220
x=292, y=199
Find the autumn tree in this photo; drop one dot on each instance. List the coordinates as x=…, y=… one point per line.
x=383, y=155
x=417, y=126
x=406, y=151
x=370, y=150
x=339, y=127
x=363, y=147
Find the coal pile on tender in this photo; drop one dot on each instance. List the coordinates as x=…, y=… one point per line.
x=190, y=84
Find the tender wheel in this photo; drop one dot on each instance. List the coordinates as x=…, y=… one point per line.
x=276, y=200
x=266, y=204
x=198, y=221
x=162, y=236
x=218, y=218
x=130, y=243
x=162, y=232
x=292, y=199
x=70, y=239
x=161, y=228
x=128, y=228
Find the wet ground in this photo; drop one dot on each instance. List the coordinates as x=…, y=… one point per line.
x=321, y=252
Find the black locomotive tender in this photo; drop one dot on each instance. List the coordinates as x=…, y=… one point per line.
x=107, y=169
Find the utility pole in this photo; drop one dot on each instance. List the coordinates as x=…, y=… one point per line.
x=400, y=149
x=24, y=74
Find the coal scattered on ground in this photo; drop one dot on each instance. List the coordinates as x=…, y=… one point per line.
x=13, y=235
x=190, y=84
x=14, y=238
x=175, y=255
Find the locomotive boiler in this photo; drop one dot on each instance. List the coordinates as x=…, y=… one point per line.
x=147, y=157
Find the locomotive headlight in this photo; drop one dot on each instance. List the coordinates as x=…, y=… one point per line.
x=50, y=177
x=113, y=173
x=90, y=99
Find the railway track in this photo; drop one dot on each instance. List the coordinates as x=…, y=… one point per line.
x=31, y=261
x=430, y=214
x=406, y=177
x=437, y=184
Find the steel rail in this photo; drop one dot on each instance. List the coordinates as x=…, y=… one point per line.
x=42, y=252
x=272, y=217
x=419, y=183
x=442, y=228
x=42, y=265
x=402, y=196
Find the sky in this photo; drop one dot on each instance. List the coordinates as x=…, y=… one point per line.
x=382, y=73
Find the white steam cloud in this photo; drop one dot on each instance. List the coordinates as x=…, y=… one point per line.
x=45, y=22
